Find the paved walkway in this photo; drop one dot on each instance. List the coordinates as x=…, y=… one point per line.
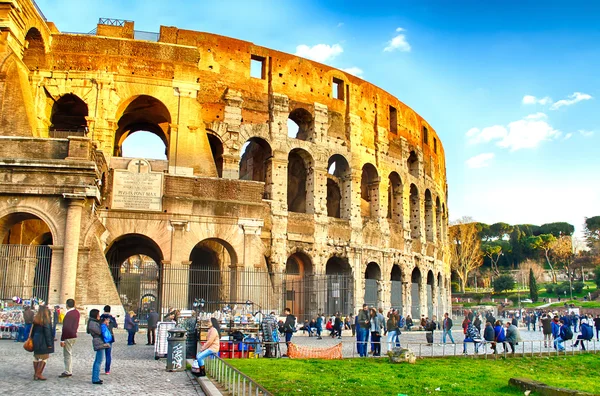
x=134, y=371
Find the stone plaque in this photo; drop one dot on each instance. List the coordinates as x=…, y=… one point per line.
x=137, y=188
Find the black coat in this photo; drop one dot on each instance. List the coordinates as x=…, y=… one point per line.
x=43, y=340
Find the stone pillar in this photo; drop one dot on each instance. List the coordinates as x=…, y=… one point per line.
x=423, y=295
x=321, y=123
x=231, y=167
x=54, y=293
x=71, y=247
x=434, y=297
x=406, y=297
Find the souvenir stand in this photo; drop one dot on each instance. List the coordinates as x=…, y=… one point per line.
x=12, y=325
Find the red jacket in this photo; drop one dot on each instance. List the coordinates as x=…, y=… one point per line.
x=70, y=325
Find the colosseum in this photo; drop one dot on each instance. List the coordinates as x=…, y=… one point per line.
x=286, y=182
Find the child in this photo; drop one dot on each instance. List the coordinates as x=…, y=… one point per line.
x=106, y=335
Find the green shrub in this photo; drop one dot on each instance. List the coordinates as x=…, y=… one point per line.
x=455, y=287
x=504, y=282
x=578, y=287
x=597, y=276
x=560, y=290
x=514, y=298
x=550, y=288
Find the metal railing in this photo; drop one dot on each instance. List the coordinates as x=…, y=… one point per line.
x=233, y=380
x=112, y=22
x=65, y=133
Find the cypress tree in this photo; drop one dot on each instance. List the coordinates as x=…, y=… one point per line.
x=533, y=288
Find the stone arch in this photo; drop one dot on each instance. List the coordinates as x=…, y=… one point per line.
x=340, y=286
x=415, y=280
x=23, y=212
x=300, y=124
x=69, y=113
x=299, y=285
x=34, y=54
x=300, y=182
x=438, y=220
x=415, y=213
x=396, y=287
x=369, y=191
x=217, y=150
x=430, y=293
x=413, y=164
x=395, y=198
x=429, y=230
x=142, y=113
x=256, y=163
x=339, y=185
x=372, y=280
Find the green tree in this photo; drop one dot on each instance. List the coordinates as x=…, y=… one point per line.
x=516, y=245
x=529, y=229
x=544, y=243
x=504, y=282
x=557, y=229
x=500, y=230
x=533, y=288
x=597, y=276
x=592, y=233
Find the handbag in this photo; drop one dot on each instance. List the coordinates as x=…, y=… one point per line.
x=28, y=345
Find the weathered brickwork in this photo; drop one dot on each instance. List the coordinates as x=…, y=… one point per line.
x=363, y=180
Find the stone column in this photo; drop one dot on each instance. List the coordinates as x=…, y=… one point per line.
x=71, y=247
x=54, y=293
x=423, y=295
x=434, y=298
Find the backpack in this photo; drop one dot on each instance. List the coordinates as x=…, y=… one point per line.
x=567, y=333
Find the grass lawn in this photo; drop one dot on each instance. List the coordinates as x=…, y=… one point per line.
x=581, y=304
x=461, y=376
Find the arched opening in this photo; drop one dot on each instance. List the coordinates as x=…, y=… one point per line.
x=34, y=55
x=413, y=164
x=25, y=257
x=444, y=226
x=255, y=163
x=68, y=114
x=438, y=220
x=339, y=185
x=429, y=231
x=299, y=286
x=340, y=286
x=369, y=192
x=430, y=293
x=300, y=124
x=395, y=199
x=415, y=213
x=143, y=116
x=216, y=148
x=396, y=287
x=415, y=285
x=135, y=263
x=300, y=182
x=440, y=288
x=372, y=279
x=212, y=275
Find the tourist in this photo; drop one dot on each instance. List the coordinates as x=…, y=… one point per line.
x=338, y=326
x=211, y=346
x=289, y=327
x=587, y=333
x=270, y=335
x=447, y=328
x=112, y=324
x=93, y=329
x=131, y=327
x=28, y=315
x=69, y=336
x=527, y=320
x=499, y=335
x=563, y=335
x=392, y=328
x=512, y=336
x=362, y=330
x=329, y=327
x=465, y=324
x=152, y=324
x=546, y=325
x=597, y=325
x=43, y=341
x=353, y=326
x=347, y=323
x=430, y=327
x=423, y=322
x=471, y=335
x=409, y=323
x=55, y=320
x=555, y=329
x=377, y=323
x=574, y=321
x=319, y=326
x=490, y=336
x=477, y=323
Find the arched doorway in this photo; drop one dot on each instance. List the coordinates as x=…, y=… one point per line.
x=216, y=148
x=300, y=182
x=372, y=279
x=415, y=282
x=429, y=232
x=413, y=164
x=340, y=286
x=396, y=287
x=69, y=114
x=440, y=289
x=299, y=286
x=369, y=192
x=430, y=286
x=212, y=276
x=135, y=263
x=339, y=183
x=25, y=257
x=149, y=119
x=415, y=213
x=300, y=124
x=255, y=163
x=34, y=55
x=395, y=199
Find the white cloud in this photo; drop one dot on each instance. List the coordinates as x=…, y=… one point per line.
x=355, y=71
x=526, y=133
x=568, y=136
x=585, y=133
x=398, y=42
x=319, y=52
x=575, y=97
x=480, y=161
x=531, y=100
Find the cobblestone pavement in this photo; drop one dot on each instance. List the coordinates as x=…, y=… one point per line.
x=134, y=371
x=416, y=342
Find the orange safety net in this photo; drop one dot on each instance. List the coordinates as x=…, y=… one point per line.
x=304, y=352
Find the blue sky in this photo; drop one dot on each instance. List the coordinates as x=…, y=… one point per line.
x=511, y=87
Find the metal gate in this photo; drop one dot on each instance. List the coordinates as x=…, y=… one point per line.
x=371, y=293
x=396, y=297
x=25, y=271
x=138, y=285
x=415, y=310
x=430, y=312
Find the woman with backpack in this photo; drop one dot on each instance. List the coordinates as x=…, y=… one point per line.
x=43, y=341
x=94, y=329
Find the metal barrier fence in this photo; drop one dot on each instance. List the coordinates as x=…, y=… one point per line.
x=233, y=380
x=25, y=271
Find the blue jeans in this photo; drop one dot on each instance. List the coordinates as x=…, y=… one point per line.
x=392, y=339
x=108, y=353
x=476, y=344
x=449, y=334
x=96, y=367
x=558, y=344
x=130, y=337
x=318, y=331
x=362, y=338
x=203, y=355
x=288, y=337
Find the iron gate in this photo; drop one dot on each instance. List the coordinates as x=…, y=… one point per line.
x=371, y=293
x=396, y=297
x=25, y=271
